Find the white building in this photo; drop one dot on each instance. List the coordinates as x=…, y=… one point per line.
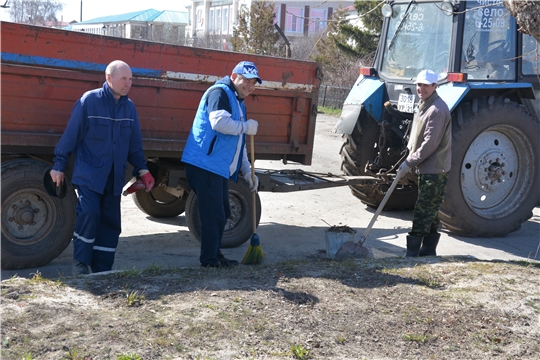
x=295, y=18
x=166, y=26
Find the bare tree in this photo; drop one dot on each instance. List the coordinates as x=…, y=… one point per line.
x=35, y=12
x=211, y=41
x=527, y=14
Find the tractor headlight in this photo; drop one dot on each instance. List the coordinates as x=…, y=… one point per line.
x=387, y=10
x=447, y=7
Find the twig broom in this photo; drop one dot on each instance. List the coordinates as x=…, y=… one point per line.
x=255, y=253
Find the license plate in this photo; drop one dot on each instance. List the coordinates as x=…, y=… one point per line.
x=406, y=103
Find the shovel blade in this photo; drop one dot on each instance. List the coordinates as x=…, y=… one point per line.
x=351, y=249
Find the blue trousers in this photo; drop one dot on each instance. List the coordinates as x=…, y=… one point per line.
x=214, y=209
x=97, y=227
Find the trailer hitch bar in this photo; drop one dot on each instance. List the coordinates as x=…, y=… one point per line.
x=298, y=180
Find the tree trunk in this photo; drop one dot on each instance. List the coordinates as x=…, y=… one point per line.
x=527, y=14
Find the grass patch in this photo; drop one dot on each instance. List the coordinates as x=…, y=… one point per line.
x=153, y=270
x=329, y=111
x=300, y=353
x=133, y=272
x=534, y=304
x=419, y=338
x=128, y=357
x=133, y=298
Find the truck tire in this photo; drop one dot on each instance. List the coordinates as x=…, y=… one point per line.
x=494, y=183
x=357, y=149
x=36, y=227
x=239, y=226
x=158, y=203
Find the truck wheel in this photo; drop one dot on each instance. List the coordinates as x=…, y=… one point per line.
x=494, y=183
x=36, y=227
x=158, y=203
x=357, y=149
x=239, y=226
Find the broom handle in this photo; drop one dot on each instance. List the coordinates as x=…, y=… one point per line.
x=381, y=206
x=254, y=196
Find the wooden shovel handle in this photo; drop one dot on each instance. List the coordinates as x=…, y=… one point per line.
x=254, y=193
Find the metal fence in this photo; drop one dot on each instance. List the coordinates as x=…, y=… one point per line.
x=333, y=96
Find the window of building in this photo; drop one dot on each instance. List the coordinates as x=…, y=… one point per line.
x=294, y=20
x=200, y=19
x=317, y=20
x=225, y=27
x=211, y=20
x=218, y=20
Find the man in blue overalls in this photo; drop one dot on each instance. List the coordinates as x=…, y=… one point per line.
x=103, y=134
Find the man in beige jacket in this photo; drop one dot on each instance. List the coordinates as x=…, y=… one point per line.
x=430, y=154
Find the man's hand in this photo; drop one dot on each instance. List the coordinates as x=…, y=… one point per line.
x=136, y=186
x=250, y=127
x=148, y=180
x=405, y=167
x=253, y=186
x=57, y=176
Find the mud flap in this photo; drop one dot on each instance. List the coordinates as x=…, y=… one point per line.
x=367, y=93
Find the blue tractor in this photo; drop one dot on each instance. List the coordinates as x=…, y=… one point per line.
x=489, y=77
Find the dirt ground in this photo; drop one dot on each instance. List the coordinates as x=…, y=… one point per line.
x=395, y=308
x=480, y=299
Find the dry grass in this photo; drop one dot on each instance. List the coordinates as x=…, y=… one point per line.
x=439, y=308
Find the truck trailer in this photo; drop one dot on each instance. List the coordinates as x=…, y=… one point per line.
x=44, y=71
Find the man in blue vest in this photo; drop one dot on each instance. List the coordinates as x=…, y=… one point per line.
x=216, y=152
x=103, y=134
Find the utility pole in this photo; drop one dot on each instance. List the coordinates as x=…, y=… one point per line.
x=81, y=10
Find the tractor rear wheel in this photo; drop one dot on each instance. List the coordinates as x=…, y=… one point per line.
x=239, y=227
x=494, y=184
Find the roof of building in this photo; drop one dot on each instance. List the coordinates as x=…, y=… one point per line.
x=150, y=15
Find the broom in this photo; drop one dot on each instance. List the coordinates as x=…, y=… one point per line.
x=255, y=253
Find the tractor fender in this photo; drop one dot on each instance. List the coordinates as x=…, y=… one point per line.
x=367, y=93
x=453, y=93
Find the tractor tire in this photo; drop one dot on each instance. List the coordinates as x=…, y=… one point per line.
x=239, y=227
x=494, y=183
x=36, y=227
x=357, y=149
x=158, y=203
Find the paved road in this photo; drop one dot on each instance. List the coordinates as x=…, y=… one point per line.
x=293, y=226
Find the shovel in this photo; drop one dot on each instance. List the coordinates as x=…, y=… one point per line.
x=357, y=247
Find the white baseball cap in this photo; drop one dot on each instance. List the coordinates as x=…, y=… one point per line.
x=426, y=77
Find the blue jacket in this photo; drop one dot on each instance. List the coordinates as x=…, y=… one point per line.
x=101, y=134
x=212, y=150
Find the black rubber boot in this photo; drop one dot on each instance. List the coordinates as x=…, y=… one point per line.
x=429, y=245
x=413, y=245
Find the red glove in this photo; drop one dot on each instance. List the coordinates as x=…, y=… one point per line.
x=137, y=185
x=148, y=181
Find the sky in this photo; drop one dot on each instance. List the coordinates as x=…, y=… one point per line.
x=92, y=9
